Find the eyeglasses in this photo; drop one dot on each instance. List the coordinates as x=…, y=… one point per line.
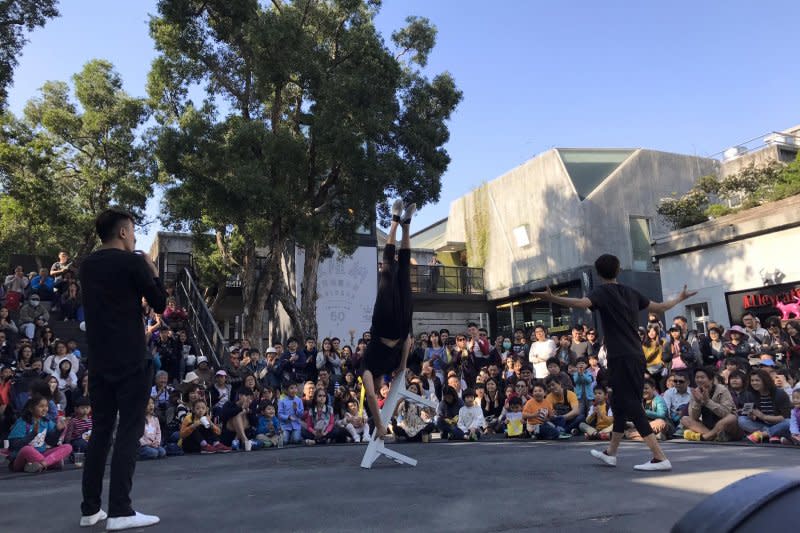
x=679, y=381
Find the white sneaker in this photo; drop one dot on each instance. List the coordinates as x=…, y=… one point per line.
x=408, y=213
x=87, y=521
x=650, y=466
x=130, y=522
x=610, y=460
x=397, y=207
x=248, y=446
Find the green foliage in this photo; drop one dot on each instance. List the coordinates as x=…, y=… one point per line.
x=309, y=120
x=752, y=186
x=476, y=215
x=66, y=161
x=17, y=18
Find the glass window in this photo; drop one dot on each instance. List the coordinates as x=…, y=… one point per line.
x=698, y=316
x=589, y=168
x=640, y=243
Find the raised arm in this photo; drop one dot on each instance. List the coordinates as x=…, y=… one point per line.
x=576, y=303
x=660, y=307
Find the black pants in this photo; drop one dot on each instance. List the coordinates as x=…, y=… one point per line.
x=128, y=397
x=192, y=443
x=391, y=316
x=626, y=377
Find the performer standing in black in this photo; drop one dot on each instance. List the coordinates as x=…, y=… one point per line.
x=113, y=281
x=390, y=342
x=619, y=307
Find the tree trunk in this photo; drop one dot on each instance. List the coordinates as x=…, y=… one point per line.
x=308, y=288
x=257, y=284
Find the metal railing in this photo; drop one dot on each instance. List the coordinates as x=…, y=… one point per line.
x=206, y=332
x=440, y=279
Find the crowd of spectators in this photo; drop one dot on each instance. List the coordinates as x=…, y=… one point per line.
x=731, y=384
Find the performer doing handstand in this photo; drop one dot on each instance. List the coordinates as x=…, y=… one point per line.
x=391, y=318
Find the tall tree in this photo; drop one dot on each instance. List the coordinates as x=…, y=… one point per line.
x=66, y=161
x=18, y=17
x=309, y=121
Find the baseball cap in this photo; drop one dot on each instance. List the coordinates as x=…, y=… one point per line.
x=767, y=362
x=271, y=349
x=202, y=359
x=190, y=376
x=221, y=373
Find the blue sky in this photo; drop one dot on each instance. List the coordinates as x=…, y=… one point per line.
x=684, y=76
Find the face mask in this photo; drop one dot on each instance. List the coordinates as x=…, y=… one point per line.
x=506, y=345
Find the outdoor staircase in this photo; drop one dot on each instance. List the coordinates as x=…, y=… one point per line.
x=66, y=330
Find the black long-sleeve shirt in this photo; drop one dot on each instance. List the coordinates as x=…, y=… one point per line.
x=113, y=283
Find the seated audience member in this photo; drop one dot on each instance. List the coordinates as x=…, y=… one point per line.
x=79, y=428
x=199, y=433
x=204, y=372
x=512, y=418
x=739, y=347
x=414, y=422
x=174, y=316
x=447, y=420
x=290, y=413
x=538, y=412
x=356, y=423
x=738, y=384
x=42, y=285
x=237, y=422
x=554, y=369
x=656, y=411
x=8, y=326
x=653, y=347
x=521, y=389
x=677, y=398
x=220, y=392
x=470, y=417
x=30, y=437
x=492, y=406
x=712, y=413
x=52, y=362
x=783, y=380
x=584, y=384
x=187, y=351
x=70, y=303
x=269, y=431
x=765, y=410
x=794, y=421
x=598, y=372
x=150, y=441
x=712, y=347
x=31, y=314
x=600, y=421
x=567, y=414
x=320, y=427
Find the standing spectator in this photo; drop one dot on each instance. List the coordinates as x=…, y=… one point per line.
x=436, y=355
x=712, y=347
x=71, y=303
x=7, y=325
x=290, y=413
x=31, y=315
x=775, y=344
x=16, y=284
x=584, y=385
x=114, y=280
x=150, y=442
x=43, y=285
x=678, y=354
x=297, y=363
x=564, y=353
x=519, y=348
x=755, y=333
x=689, y=335
x=541, y=350
x=768, y=417
x=711, y=409
x=653, y=346
x=174, y=316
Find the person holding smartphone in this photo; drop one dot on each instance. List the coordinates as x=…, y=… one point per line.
x=114, y=279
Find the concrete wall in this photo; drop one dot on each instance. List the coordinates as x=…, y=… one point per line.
x=455, y=322
x=564, y=232
x=729, y=267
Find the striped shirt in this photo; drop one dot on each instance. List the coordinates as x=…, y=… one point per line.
x=77, y=427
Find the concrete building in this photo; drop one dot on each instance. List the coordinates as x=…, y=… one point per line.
x=546, y=221
x=746, y=261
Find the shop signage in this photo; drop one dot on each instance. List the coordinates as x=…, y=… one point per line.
x=763, y=302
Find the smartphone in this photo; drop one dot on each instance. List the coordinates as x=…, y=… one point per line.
x=747, y=408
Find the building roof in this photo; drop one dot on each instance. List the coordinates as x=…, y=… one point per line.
x=588, y=168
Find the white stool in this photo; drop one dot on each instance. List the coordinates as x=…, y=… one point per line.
x=376, y=447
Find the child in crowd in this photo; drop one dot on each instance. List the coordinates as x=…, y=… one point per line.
x=290, y=414
x=470, y=417
x=356, y=424
x=150, y=442
x=584, y=384
x=320, y=421
x=79, y=428
x=794, y=419
x=600, y=421
x=414, y=422
x=513, y=418
x=29, y=437
x=537, y=414
x=447, y=413
x=199, y=434
x=269, y=427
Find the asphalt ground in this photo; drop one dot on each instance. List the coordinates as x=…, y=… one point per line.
x=495, y=485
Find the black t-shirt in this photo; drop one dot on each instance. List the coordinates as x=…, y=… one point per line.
x=229, y=410
x=619, y=307
x=113, y=282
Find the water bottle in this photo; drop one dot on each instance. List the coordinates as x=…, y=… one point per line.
x=235, y=444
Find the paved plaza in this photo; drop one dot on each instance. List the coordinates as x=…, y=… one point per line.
x=460, y=487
